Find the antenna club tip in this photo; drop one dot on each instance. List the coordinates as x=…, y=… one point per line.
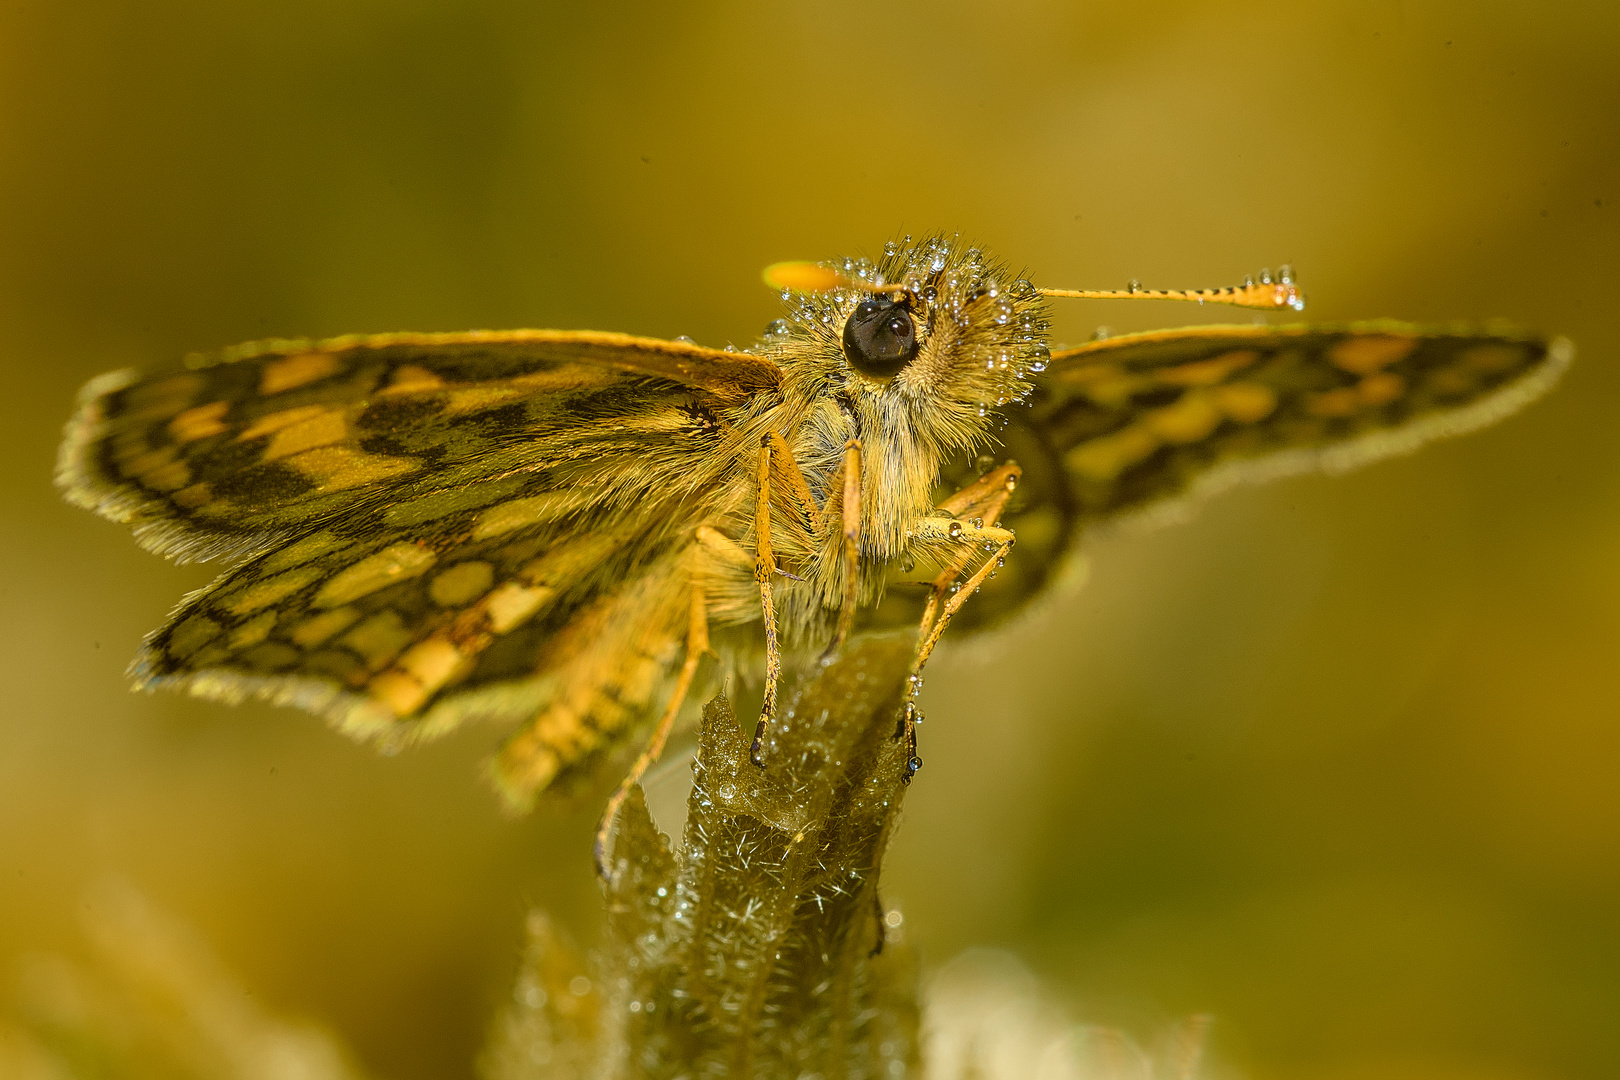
x=802, y=277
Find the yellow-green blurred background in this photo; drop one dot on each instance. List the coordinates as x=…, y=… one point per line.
x=1337, y=762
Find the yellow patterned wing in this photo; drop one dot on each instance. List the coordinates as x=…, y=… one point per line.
x=234, y=452
x=1122, y=426
x=431, y=528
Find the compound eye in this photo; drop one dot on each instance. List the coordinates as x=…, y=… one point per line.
x=880, y=338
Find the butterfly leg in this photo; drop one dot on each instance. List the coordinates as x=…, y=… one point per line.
x=985, y=499
x=697, y=643
x=764, y=575
x=851, y=548
x=982, y=502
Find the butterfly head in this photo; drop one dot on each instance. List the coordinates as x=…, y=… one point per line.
x=933, y=334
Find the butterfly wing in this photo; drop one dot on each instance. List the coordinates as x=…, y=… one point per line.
x=437, y=527
x=236, y=452
x=1123, y=426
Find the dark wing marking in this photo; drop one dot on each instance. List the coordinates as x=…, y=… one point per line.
x=537, y=600
x=230, y=454
x=1121, y=426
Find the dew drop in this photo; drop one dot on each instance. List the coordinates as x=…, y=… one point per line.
x=891, y=249
x=684, y=340
x=778, y=328
x=955, y=530
x=1285, y=274
x=1265, y=276
x=1133, y=286
x=1102, y=333
x=984, y=463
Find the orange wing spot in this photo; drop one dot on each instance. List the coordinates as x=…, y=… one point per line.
x=1365, y=354
x=139, y=463
x=1106, y=457
x=291, y=372
x=253, y=631
x=461, y=583
x=1208, y=372
x=518, y=513
x=1492, y=358
x=400, y=562
x=199, y=423
x=1342, y=402
x=478, y=398
x=191, y=635
x=326, y=427
x=165, y=396
x=418, y=675
x=1380, y=389
x=271, y=423
x=1191, y=418
x=379, y=639
x=409, y=378
x=317, y=630
x=193, y=496
x=169, y=477
x=261, y=594
x=512, y=604
x=1451, y=382
x=1245, y=402
x=337, y=468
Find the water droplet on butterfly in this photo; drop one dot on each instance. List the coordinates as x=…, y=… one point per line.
x=778, y=328
x=1285, y=274
x=684, y=340
x=984, y=463
x=891, y=249
x=1133, y=286
x=1265, y=276
x=955, y=530
x=1102, y=333
x=984, y=410
x=908, y=564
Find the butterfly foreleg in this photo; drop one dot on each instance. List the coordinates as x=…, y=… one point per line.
x=697, y=643
x=981, y=503
x=851, y=472
x=764, y=577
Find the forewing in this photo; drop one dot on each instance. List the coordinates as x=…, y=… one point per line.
x=1122, y=426
x=235, y=452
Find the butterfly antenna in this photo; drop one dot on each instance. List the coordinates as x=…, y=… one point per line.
x=1268, y=292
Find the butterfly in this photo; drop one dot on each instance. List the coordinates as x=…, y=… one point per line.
x=553, y=529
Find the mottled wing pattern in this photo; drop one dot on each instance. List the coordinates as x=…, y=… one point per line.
x=1122, y=425
x=231, y=453
x=442, y=527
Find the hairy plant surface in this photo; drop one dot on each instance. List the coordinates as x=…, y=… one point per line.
x=757, y=948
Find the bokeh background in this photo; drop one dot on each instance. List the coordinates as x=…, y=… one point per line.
x=1335, y=762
